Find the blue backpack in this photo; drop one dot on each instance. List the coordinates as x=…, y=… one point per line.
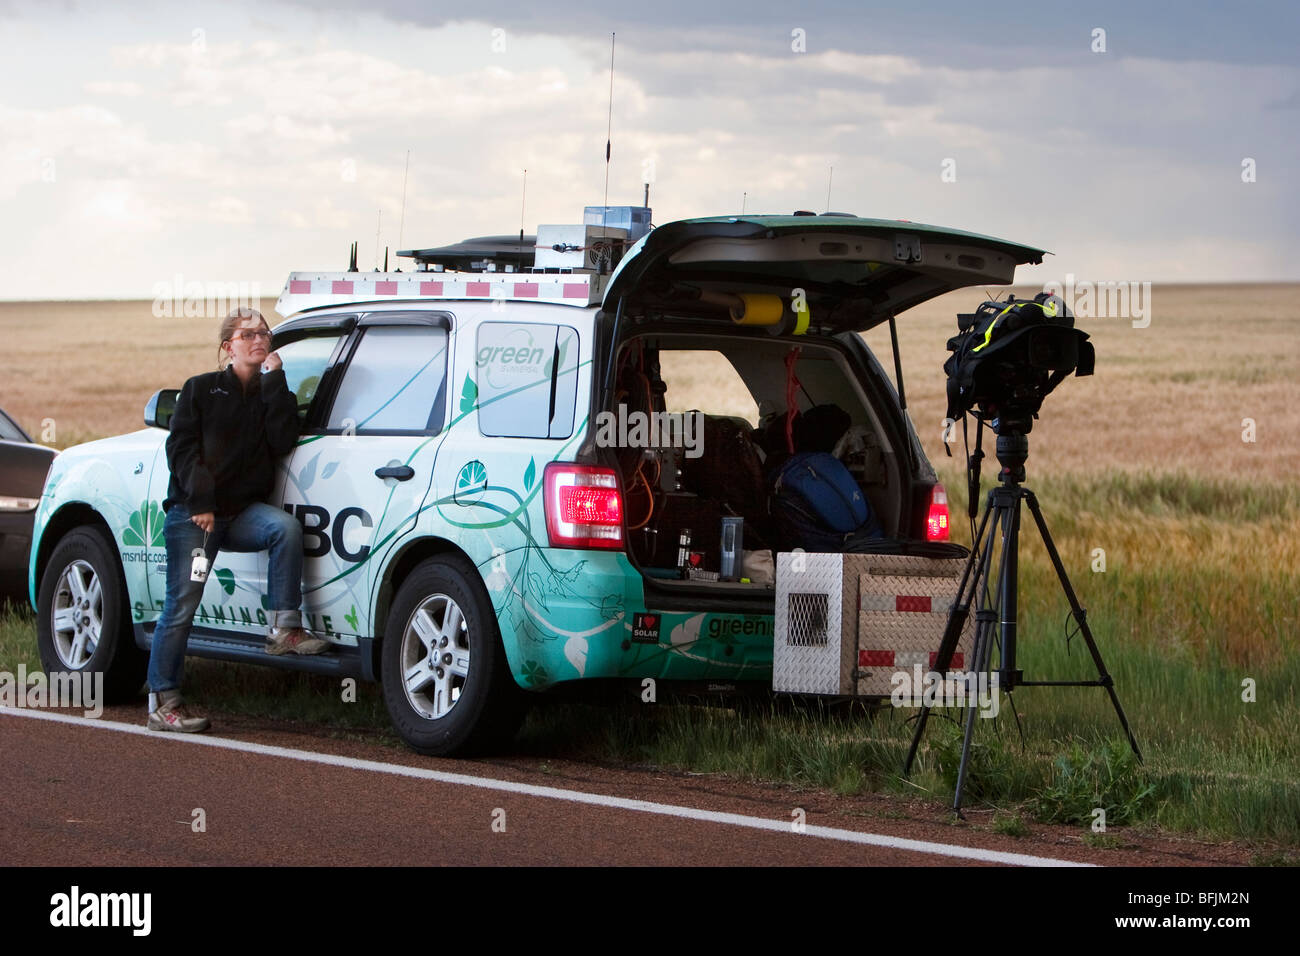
x=817, y=506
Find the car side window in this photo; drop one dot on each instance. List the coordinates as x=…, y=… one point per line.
x=527, y=379
x=304, y=363
x=396, y=382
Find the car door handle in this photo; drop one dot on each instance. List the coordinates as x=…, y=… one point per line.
x=400, y=472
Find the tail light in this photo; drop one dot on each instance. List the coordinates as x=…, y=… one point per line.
x=583, y=506
x=936, y=521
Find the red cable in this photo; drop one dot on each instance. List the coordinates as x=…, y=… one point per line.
x=791, y=392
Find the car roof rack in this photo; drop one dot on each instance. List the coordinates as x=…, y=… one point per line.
x=505, y=253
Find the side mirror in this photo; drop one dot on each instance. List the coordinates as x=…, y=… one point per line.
x=158, y=412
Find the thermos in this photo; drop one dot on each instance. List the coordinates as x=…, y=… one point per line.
x=731, y=567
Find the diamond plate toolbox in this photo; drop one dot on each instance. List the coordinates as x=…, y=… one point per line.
x=846, y=623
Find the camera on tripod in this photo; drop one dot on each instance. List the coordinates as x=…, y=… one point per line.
x=1005, y=360
x=1009, y=355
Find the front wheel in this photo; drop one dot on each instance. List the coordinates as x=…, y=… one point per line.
x=82, y=621
x=445, y=679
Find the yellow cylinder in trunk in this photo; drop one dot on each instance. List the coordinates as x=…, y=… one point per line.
x=757, y=309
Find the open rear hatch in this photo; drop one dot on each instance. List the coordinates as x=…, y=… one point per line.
x=853, y=273
x=758, y=289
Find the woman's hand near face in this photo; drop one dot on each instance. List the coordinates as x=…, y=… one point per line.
x=206, y=521
x=272, y=362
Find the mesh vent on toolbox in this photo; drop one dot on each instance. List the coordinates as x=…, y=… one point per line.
x=807, y=619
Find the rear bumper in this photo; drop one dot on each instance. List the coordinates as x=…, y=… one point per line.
x=574, y=615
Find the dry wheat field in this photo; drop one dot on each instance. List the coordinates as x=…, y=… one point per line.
x=1171, y=396
x=1166, y=397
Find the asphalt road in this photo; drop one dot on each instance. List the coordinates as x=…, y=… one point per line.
x=107, y=792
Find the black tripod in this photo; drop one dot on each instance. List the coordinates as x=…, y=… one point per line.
x=1003, y=507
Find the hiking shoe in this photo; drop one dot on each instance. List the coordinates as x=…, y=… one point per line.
x=293, y=640
x=170, y=714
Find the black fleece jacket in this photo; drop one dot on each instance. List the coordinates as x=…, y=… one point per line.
x=224, y=441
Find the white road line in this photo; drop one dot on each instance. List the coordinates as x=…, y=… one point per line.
x=556, y=793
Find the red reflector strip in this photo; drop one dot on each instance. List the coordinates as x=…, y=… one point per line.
x=477, y=288
x=575, y=290
x=957, y=659
x=342, y=287
x=526, y=290
x=430, y=288
x=875, y=658
x=912, y=602
x=299, y=287
x=385, y=288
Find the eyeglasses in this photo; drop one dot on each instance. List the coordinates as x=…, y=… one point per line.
x=247, y=335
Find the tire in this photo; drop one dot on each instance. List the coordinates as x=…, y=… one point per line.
x=444, y=674
x=83, y=621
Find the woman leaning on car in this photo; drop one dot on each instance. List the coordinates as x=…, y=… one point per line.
x=228, y=429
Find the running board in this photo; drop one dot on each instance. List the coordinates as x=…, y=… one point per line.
x=343, y=661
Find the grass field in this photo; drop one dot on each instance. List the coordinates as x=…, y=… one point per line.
x=1144, y=460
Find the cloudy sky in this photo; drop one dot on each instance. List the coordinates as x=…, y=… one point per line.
x=234, y=142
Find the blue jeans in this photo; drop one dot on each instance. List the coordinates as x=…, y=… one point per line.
x=259, y=527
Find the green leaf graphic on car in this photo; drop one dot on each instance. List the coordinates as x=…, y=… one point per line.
x=535, y=673
x=145, y=527
x=308, y=474
x=227, y=579
x=351, y=617
x=530, y=473
x=468, y=395
x=471, y=482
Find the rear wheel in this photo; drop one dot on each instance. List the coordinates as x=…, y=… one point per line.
x=83, y=623
x=445, y=679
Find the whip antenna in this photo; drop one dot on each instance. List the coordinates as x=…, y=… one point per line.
x=609, y=129
x=522, y=200
x=401, y=225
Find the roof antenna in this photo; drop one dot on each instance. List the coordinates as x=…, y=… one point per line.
x=522, y=200
x=401, y=225
x=385, y=258
x=352, y=257
x=609, y=128
x=744, y=200
x=828, y=188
